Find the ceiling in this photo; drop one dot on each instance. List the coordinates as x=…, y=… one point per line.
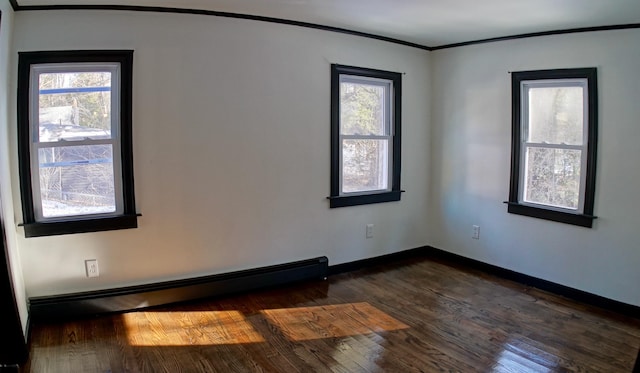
x=430, y=23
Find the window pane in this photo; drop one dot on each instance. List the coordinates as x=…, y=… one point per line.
x=556, y=115
x=553, y=177
x=74, y=106
x=76, y=180
x=365, y=165
x=362, y=109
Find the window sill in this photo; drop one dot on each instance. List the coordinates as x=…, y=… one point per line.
x=581, y=220
x=364, y=199
x=80, y=226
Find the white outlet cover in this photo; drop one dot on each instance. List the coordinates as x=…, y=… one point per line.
x=476, y=232
x=91, y=267
x=369, y=230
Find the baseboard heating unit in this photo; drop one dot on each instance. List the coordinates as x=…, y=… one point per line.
x=157, y=294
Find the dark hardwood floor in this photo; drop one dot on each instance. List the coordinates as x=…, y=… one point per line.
x=414, y=315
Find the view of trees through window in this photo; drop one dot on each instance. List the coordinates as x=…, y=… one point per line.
x=75, y=154
x=554, y=143
x=363, y=114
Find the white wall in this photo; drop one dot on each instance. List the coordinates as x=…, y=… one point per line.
x=7, y=101
x=471, y=141
x=231, y=149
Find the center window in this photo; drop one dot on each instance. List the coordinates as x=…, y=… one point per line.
x=365, y=136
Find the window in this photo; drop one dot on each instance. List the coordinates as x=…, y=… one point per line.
x=554, y=145
x=74, y=140
x=365, y=136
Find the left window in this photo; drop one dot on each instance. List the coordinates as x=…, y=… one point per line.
x=75, y=141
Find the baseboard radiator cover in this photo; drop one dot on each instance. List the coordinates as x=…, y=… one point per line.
x=123, y=299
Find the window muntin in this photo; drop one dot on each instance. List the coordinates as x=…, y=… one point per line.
x=554, y=145
x=74, y=127
x=75, y=141
x=365, y=133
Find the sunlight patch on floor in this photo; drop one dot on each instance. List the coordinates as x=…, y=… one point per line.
x=339, y=320
x=189, y=328
x=195, y=328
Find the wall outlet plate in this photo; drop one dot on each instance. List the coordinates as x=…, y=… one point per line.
x=91, y=267
x=369, y=230
x=475, y=233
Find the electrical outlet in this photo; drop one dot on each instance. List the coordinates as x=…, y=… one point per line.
x=475, y=234
x=369, y=230
x=91, y=266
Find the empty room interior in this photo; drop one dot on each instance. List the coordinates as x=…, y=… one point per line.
x=320, y=186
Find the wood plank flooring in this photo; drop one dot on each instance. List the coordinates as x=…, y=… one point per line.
x=414, y=315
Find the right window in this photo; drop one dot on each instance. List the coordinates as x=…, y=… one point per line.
x=554, y=136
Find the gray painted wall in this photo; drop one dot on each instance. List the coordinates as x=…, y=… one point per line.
x=231, y=123
x=471, y=140
x=7, y=112
x=231, y=134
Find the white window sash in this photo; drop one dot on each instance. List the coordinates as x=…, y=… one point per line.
x=63, y=143
x=387, y=172
x=365, y=137
x=525, y=145
x=114, y=140
x=388, y=89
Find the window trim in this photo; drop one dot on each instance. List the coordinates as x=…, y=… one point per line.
x=392, y=193
x=584, y=215
x=87, y=223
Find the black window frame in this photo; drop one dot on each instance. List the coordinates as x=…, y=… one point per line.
x=335, y=199
x=128, y=219
x=586, y=217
